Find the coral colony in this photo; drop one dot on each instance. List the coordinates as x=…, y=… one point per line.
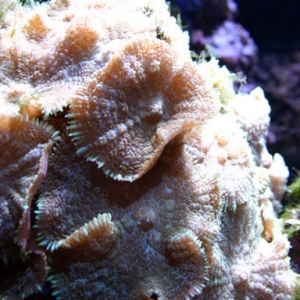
x=129, y=171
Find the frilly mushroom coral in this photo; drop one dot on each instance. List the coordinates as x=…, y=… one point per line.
x=144, y=97
x=25, y=147
x=147, y=217
x=184, y=203
x=50, y=50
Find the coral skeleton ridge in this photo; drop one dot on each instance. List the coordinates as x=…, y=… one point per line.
x=129, y=171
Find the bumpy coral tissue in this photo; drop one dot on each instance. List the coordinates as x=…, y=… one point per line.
x=159, y=184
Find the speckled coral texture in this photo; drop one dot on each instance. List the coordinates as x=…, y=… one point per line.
x=159, y=185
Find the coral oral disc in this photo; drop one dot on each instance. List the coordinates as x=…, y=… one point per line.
x=144, y=97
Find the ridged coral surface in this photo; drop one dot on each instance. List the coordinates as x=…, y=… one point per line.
x=159, y=185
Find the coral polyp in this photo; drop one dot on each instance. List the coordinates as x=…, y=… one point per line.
x=129, y=171
x=124, y=117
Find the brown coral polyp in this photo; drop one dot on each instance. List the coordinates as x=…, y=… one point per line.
x=133, y=107
x=78, y=43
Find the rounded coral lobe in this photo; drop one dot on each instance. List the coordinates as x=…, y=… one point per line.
x=144, y=97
